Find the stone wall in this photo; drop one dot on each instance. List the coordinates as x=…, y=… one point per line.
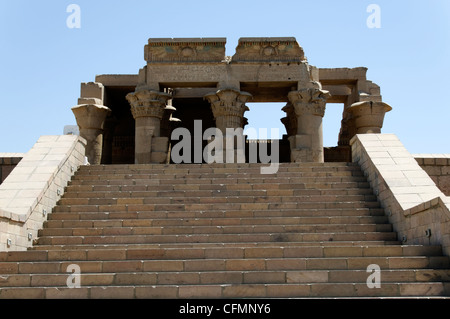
x=7, y=163
x=438, y=167
x=417, y=208
x=32, y=189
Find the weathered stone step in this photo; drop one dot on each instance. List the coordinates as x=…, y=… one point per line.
x=229, y=291
x=225, y=238
x=148, y=205
x=225, y=229
x=138, y=192
x=312, y=182
x=242, y=251
x=257, y=188
x=213, y=197
x=226, y=277
x=278, y=177
x=216, y=221
x=216, y=168
x=195, y=259
x=144, y=212
x=366, y=243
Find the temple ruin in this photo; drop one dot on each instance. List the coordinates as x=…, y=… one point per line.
x=129, y=118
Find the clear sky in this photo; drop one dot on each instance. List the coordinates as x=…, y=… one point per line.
x=43, y=61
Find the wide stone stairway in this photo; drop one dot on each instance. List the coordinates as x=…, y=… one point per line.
x=221, y=231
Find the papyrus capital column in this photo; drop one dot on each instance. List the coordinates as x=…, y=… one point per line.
x=91, y=114
x=147, y=107
x=368, y=116
x=90, y=119
x=309, y=107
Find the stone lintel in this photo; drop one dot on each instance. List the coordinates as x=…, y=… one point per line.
x=117, y=79
x=342, y=75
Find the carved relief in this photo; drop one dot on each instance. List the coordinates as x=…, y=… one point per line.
x=185, y=50
x=268, y=49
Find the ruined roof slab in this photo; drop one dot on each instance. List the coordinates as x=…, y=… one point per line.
x=277, y=49
x=185, y=50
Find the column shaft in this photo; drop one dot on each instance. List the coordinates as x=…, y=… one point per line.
x=309, y=106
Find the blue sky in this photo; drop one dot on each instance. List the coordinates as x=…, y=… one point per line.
x=43, y=62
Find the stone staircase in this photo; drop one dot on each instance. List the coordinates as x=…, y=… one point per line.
x=220, y=231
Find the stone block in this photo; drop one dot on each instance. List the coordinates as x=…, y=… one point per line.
x=92, y=90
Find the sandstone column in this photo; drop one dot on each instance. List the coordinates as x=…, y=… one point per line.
x=290, y=121
x=309, y=107
x=228, y=107
x=91, y=114
x=368, y=116
x=90, y=119
x=147, y=107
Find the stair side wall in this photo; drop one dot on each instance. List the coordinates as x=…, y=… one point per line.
x=34, y=186
x=417, y=208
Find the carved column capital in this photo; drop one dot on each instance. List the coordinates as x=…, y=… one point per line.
x=309, y=101
x=228, y=107
x=368, y=116
x=148, y=103
x=91, y=119
x=228, y=102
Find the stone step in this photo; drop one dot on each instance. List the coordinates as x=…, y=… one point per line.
x=217, y=167
x=226, y=229
x=221, y=238
x=305, y=182
x=137, y=191
x=213, y=197
x=196, y=260
x=300, y=188
x=278, y=177
x=145, y=212
x=365, y=243
x=229, y=291
x=226, y=277
x=215, y=221
x=242, y=251
x=149, y=205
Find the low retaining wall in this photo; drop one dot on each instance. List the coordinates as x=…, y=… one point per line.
x=417, y=208
x=34, y=186
x=438, y=167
